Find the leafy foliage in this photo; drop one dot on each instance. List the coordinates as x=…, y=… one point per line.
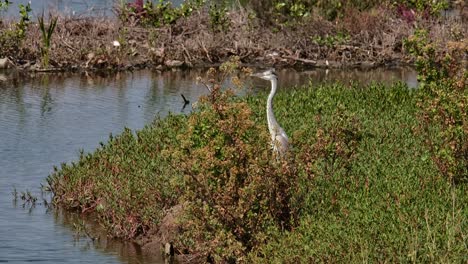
x=158, y=14
x=368, y=188
x=285, y=11
x=235, y=192
x=332, y=40
x=10, y=39
x=218, y=16
x=22, y=25
x=433, y=7
x=4, y=4
x=127, y=181
x=443, y=102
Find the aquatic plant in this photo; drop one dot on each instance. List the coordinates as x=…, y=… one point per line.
x=22, y=25
x=28, y=199
x=4, y=4
x=47, y=33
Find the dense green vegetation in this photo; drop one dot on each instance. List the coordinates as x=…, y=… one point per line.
x=388, y=203
x=362, y=182
x=277, y=11
x=128, y=181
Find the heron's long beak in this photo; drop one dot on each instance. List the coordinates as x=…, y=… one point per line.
x=264, y=74
x=258, y=74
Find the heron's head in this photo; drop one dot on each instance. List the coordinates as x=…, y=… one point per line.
x=266, y=75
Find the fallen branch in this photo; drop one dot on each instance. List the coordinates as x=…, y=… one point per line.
x=306, y=61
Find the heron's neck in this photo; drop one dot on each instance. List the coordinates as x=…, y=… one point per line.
x=270, y=116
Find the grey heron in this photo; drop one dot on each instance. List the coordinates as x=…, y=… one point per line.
x=279, y=139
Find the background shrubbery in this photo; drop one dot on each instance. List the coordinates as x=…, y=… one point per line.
x=443, y=76
x=200, y=32
x=278, y=11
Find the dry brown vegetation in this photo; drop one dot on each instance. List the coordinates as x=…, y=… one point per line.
x=367, y=38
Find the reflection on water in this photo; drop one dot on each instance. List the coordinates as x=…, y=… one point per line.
x=89, y=236
x=47, y=119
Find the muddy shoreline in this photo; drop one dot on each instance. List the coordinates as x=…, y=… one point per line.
x=373, y=39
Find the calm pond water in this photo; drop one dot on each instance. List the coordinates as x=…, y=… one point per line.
x=71, y=7
x=47, y=119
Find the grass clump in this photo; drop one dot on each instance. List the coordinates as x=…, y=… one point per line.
x=46, y=37
x=360, y=183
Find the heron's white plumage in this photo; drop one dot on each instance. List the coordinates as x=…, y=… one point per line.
x=279, y=139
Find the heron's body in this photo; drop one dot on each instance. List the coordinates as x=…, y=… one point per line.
x=279, y=139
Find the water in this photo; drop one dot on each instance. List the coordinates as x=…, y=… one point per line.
x=71, y=7
x=47, y=119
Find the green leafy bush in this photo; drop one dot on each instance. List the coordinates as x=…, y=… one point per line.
x=160, y=13
x=10, y=39
x=128, y=182
x=433, y=7
x=22, y=25
x=4, y=4
x=285, y=11
x=443, y=102
x=332, y=40
x=218, y=16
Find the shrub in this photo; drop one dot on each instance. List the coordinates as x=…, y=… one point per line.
x=285, y=11
x=4, y=4
x=236, y=191
x=159, y=14
x=127, y=182
x=443, y=102
x=10, y=39
x=427, y=7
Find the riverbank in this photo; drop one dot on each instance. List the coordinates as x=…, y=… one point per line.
x=369, y=38
x=361, y=178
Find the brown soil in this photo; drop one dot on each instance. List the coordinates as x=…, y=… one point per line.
x=374, y=38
